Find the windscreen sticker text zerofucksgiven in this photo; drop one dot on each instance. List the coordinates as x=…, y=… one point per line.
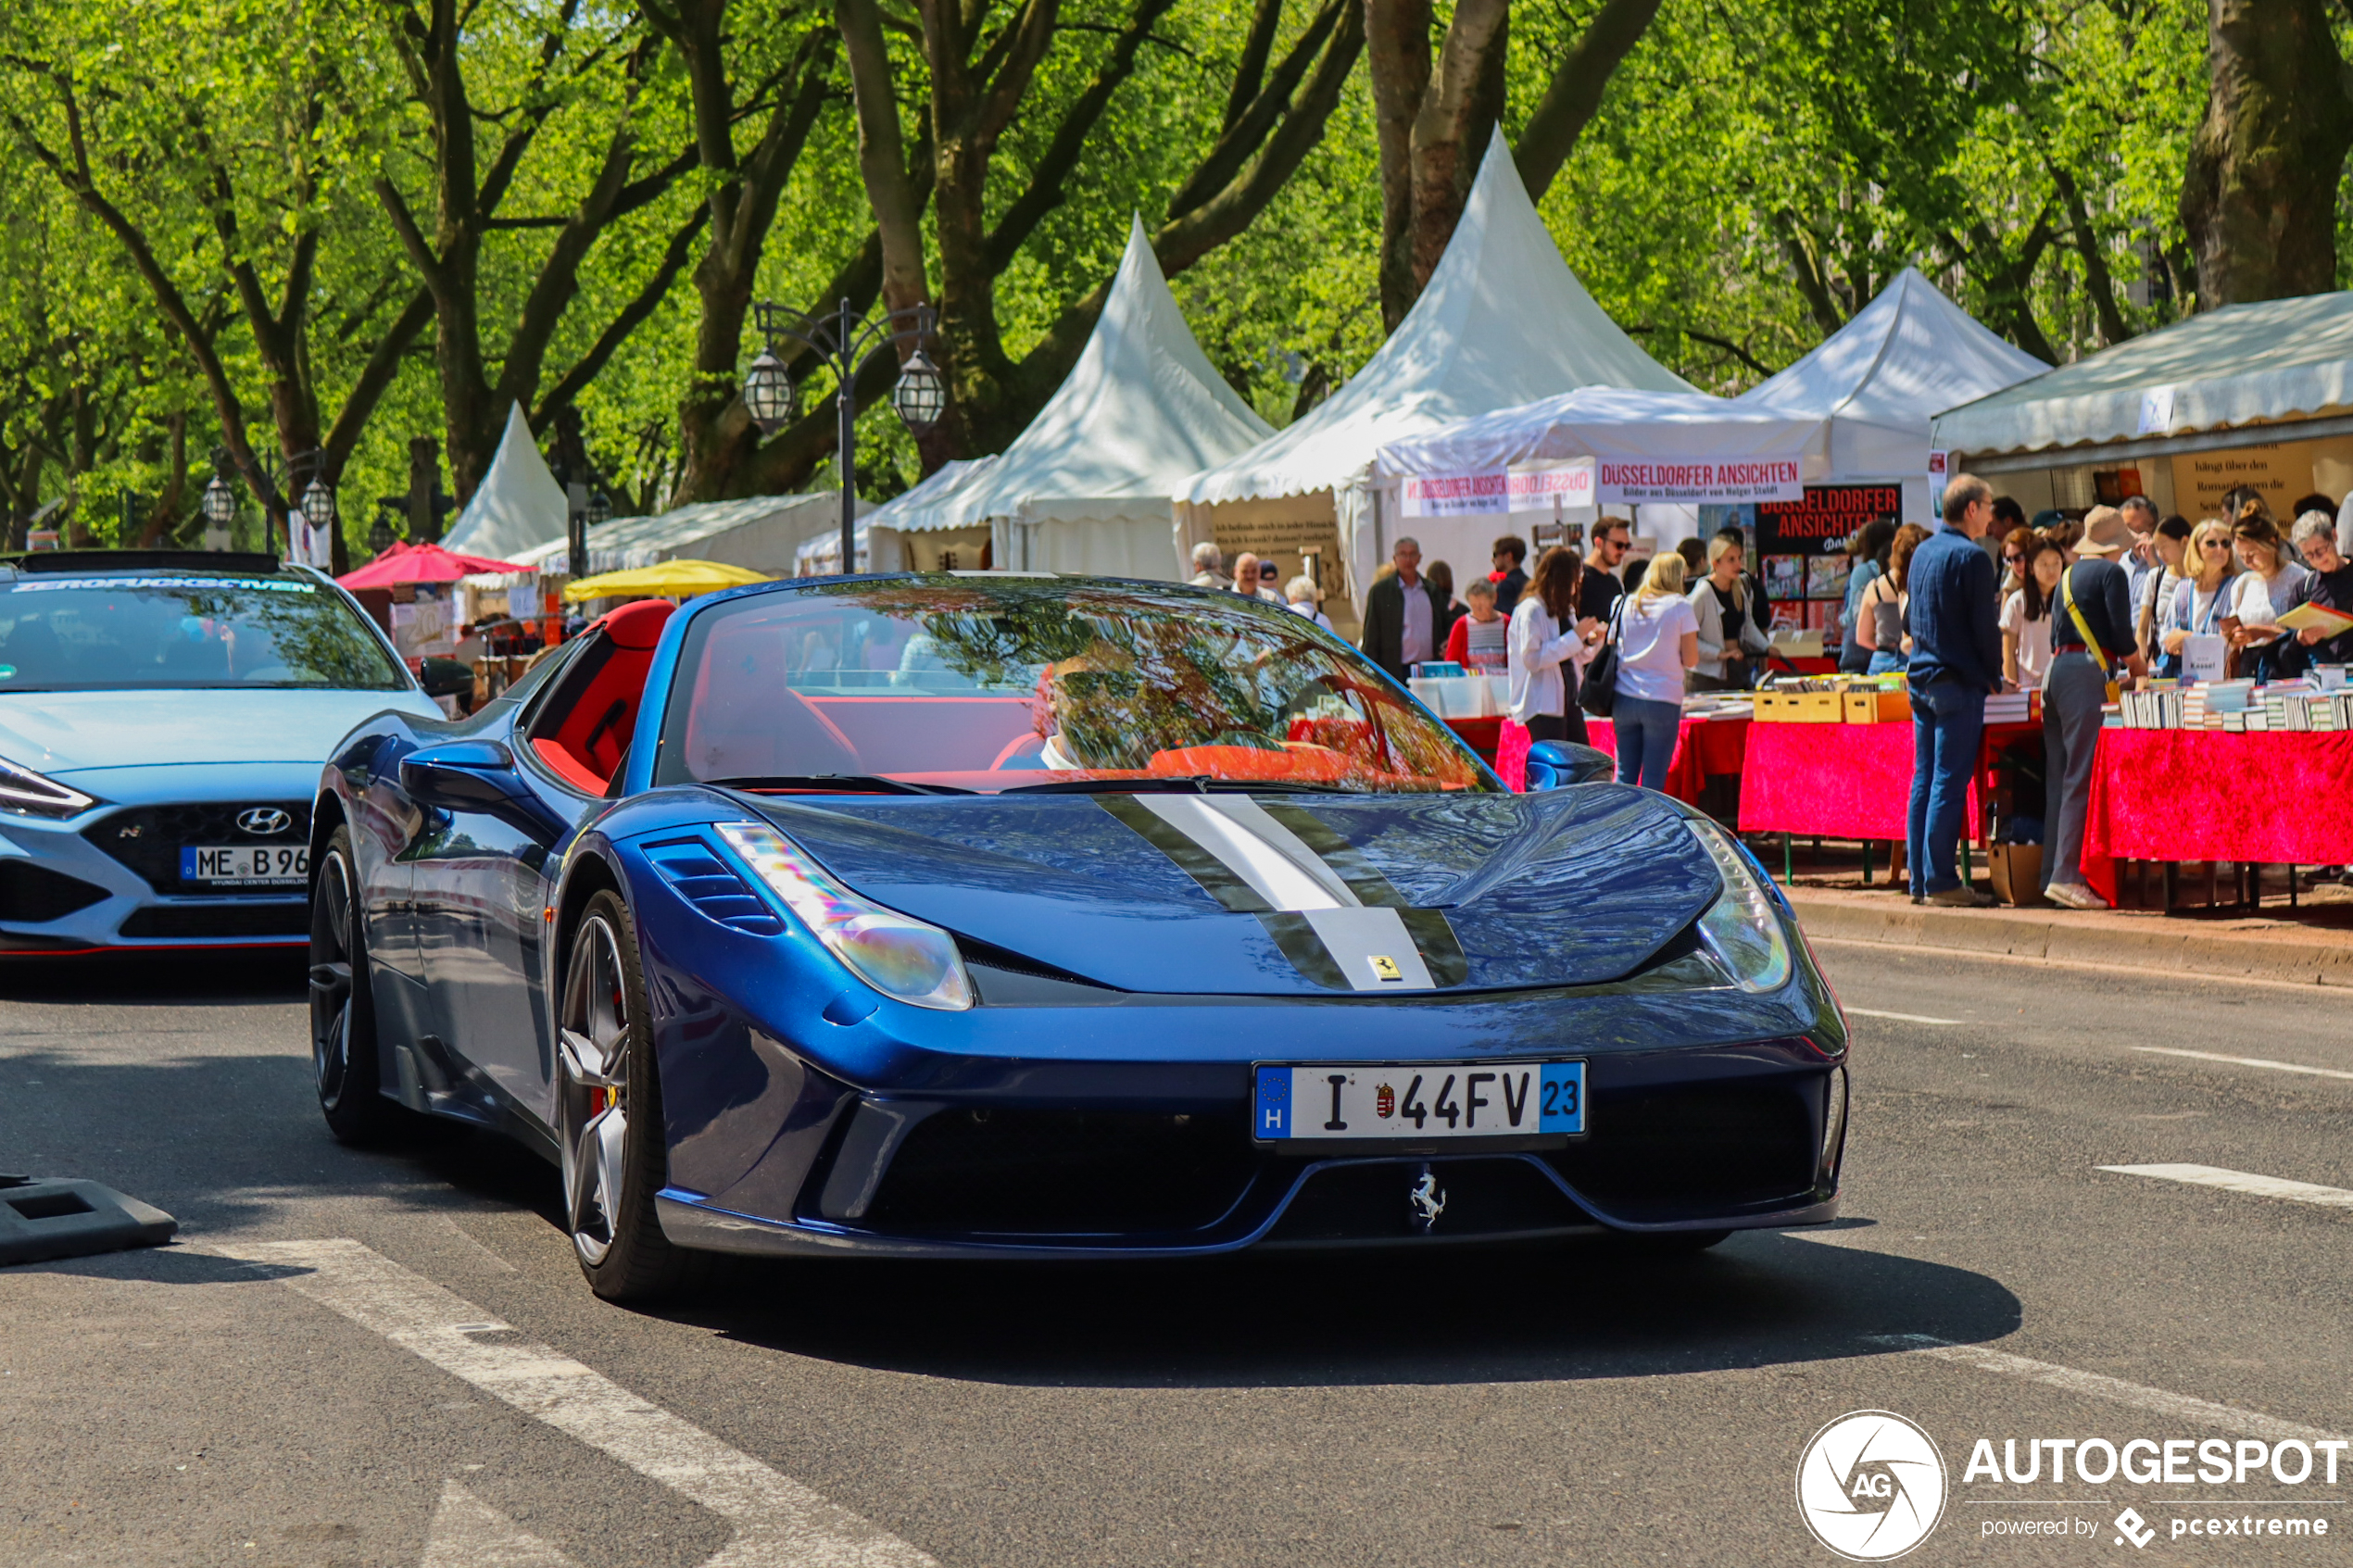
x=1419, y=1101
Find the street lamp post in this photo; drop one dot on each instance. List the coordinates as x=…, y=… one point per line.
x=847, y=345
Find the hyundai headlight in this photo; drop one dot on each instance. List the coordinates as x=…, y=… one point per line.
x=1742, y=928
x=896, y=954
x=21, y=789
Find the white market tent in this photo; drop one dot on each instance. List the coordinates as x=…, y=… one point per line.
x=1611, y=423
x=2258, y=394
x=764, y=533
x=1084, y=488
x=518, y=505
x=1882, y=378
x=911, y=538
x=1503, y=322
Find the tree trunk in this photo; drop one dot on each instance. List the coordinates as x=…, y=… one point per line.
x=2259, y=195
x=1432, y=121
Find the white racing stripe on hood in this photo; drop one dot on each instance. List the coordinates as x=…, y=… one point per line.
x=1370, y=945
x=1268, y=856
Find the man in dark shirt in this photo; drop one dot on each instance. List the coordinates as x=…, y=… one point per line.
x=1509, y=556
x=1599, y=590
x=2094, y=597
x=1957, y=660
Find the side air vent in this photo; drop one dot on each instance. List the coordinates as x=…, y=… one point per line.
x=712, y=885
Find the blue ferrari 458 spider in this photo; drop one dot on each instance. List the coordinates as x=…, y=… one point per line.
x=163, y=714
x=1011, y=916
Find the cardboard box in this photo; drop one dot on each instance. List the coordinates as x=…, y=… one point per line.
x=1799, y=707
x=1877, y=708
x=2017, y=871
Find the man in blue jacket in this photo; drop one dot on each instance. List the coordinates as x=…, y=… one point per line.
x=1957, y=662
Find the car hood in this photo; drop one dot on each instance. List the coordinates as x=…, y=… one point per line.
x=65, y=732
x=1283, y=893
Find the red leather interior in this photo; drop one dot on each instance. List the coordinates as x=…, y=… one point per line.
x=591, y=729
x=746, y=722
x=906, y=733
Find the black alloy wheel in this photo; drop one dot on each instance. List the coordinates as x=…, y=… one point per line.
x=343, y=1010
x=608, y=1116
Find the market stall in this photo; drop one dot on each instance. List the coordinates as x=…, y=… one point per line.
x=2259, y=395
x=1084, y=488
x=1502, y=323
x=902, y=529
x=410, y=590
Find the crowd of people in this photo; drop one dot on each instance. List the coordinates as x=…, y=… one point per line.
x=1986, y=602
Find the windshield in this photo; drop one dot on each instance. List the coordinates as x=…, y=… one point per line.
x=103, y=633
x=1010, y=683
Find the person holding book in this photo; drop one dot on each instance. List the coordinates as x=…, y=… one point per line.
x=1548, y=644
x=2171, y=545
x=2199, y=605
x=2270, y=586
x=2329, y=587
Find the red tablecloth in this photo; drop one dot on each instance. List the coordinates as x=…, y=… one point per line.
x=1843, y=781
x=1482, y=736
x=2190, y=795
x=1704, y=748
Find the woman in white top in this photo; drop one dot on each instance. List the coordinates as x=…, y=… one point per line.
x=2199, y=605
x=1546, y=646
x=2271, y=585
x=1657, y=634
x=1729, y=634
x=2026, y=614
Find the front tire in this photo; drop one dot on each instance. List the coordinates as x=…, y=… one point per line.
x=342, y=1008
x=609, y=1114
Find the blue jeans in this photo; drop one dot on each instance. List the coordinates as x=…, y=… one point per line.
x=1883, y=662
x=1646, y=739
x=1948, y=720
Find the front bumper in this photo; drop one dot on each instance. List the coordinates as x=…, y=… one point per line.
x=1130, y=1160
x=63, y=893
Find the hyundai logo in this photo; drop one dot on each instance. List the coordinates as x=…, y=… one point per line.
x=263, y=820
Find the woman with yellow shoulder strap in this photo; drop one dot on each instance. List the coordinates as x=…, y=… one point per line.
x=2091, y=638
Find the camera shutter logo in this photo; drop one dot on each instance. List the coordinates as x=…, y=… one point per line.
x=1870, y=1485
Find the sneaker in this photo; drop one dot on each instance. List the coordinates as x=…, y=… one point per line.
x=2074, y=895
x=1962, y=896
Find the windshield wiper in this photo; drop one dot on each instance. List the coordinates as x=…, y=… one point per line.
x=861, y=783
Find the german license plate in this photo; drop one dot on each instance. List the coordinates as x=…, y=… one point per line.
x=1419, y=1101
x=250, y=865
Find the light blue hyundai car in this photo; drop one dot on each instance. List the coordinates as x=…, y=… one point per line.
x=163, y=717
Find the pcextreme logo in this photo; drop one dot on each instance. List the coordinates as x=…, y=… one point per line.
x=1870, y=1485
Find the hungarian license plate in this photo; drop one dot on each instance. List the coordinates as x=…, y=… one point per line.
x=252, y=864
x=1419, y=1102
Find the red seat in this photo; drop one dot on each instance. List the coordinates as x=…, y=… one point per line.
x=586, y=731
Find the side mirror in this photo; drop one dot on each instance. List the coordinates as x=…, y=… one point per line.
x=467, y=775
x=479, y=776
x=1554, y=763
x=445, y=677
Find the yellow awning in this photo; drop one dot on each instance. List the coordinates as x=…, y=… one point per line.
x=668, y=580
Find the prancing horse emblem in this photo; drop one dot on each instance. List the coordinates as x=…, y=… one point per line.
x=1428, y=1200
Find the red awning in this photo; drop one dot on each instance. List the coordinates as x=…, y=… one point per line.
x=421, y=563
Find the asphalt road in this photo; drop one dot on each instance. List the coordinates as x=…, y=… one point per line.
x=441, y=1389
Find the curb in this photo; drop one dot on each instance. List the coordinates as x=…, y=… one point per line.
x=2282, y=953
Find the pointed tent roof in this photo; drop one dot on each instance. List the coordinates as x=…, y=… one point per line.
x=1140, y=411
x=919, y=509
x=1906, y=356
x=519, y=504
x=1504, y=321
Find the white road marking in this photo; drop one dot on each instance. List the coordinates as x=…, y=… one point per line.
x=468, y=1533
x=780, y=1523
x=2242, y=1181
x=1900, y=1017
x=2243, y=1061
x=2181, y=1407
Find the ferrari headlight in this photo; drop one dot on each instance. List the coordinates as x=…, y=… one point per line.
x=21, y=789
x=896, y=954
x=1741, y=928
